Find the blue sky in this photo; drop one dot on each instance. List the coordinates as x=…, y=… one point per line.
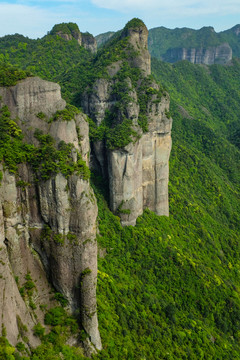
x=34, y=18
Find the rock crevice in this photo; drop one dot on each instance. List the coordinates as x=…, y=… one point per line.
x=137, y=173
x=54, y=219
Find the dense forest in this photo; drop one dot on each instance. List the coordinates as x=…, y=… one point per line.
x=161, y=39
x=168, y=288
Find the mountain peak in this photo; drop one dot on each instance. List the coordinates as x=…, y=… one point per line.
x=68, y=31
x=135, y=23
x=137, y=32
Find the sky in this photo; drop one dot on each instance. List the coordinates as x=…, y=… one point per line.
x=34, y=18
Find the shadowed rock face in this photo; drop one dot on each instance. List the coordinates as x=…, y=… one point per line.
x=237, y=30
x=221, y=54
x=89, y=42
x=137, y=173
x=66, y=206
x=75, y=35
x=86, y=40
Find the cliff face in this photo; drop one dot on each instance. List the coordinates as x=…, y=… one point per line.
x=221, y=54
x=137, y=173
x=203, y=46
x=48, y=227
x=71, y=31
x=89, y=42
x=138, y=39
x=48, y=217
x=103, y=38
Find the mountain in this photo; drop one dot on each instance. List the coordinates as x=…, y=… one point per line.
x=101, y=39
x=48, y=224
x=173, y=294
x=167, y=286
x=203, y=46
x=56, y=231
x=69, y=31
x=47, y=57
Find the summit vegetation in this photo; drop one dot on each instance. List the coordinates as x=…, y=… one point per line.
x=168, y=288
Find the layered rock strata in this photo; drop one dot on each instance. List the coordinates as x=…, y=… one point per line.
x=47, y=228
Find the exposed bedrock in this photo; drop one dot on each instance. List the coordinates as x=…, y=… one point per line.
x=137, y=173
x=221, y=54
x=48, y=228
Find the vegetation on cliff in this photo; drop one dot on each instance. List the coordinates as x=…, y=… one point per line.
x=49, y=57
x=162, y=39
x=46, y=160
x=175, y=292
x=168, y=288
x=65, y=28
x=10, y=75
x=135, y=23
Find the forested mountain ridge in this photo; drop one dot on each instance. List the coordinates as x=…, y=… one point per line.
x=47, y=57
x=168, y=288
x=198, y=46
x=203, y=46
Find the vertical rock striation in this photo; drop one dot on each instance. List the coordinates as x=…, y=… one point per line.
x=137, y=172
x=48, y=228
x=221, y=54
x=69, y=31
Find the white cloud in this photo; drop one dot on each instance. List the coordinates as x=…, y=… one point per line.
x=186, y=7
x=26, y=20
x=35, y=21
x=34, y=18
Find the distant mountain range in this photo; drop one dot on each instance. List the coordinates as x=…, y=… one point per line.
x=72, y=278
x=204, y=46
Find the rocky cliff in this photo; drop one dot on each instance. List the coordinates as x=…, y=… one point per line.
x=203, y=46
x=103, y=38
x=221, y=54
x=47, y=222
x=133, y=108
x=69, y=31
x=48, y=210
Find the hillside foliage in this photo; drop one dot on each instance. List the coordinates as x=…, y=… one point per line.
x=161, y=39
x=168, y=288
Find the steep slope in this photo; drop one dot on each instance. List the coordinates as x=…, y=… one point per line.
x=210, y=94
x=101, y=39
x=48, y=210
x=49, y=56
x=133, y=129
x=69, y=31
x=172, y=284
x=203, y=46
x=168, y=288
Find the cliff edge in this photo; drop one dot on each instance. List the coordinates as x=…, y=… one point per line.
x=132, y=139
x=47, y=211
